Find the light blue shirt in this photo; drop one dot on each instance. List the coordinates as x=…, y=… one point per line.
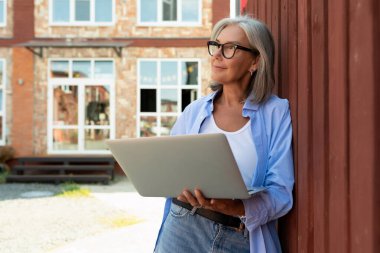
x=272, y=135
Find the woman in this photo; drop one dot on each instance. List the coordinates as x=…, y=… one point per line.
x=257, y=125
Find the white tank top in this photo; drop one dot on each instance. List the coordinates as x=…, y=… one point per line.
x=242, y=146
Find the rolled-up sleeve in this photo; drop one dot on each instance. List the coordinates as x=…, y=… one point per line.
x=277, y=200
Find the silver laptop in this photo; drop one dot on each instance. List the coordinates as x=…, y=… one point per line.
x=165, y=166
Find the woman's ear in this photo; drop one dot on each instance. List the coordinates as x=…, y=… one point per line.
x=254, y=65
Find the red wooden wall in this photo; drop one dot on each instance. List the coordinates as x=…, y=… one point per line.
x=328, y=65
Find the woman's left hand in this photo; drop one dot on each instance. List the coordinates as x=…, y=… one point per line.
x=234, y=207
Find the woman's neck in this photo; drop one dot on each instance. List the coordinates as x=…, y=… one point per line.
x=232, y=95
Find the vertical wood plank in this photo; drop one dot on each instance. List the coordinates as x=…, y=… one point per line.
x=362, y=126
x=292, y=46
x=376, y=63
x=320, y=142
x=288, y=226
x=304, y=114
x=274, y=10
x=338, y=127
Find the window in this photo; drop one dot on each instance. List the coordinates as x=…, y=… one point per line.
x=169, y=12
x=166, y=87
x=81, y=105
x=82, y=12
x=3, y=12
x=2, y=101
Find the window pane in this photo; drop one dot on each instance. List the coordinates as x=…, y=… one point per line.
x=148, y=126
x=59, y=69
x=94, y=139
x=188, y=96
x=82, y=10
x=169, y=73
x=103, y=69
x=65, y=105
x=148, y=10
x=169, y=100
x=167, y=124
x=148, y=100
x=190, y=73
x=2, y=7
x=1, y=102
x=169, y=8
x=1, y=128
x=103, y=10
x=1, y=73
x=97, y=105
x=65, y=139
x=148, y=73
x=81, y=69
x=61, y=10
x=190, y=10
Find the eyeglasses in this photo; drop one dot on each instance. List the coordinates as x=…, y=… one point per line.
x=228, y=49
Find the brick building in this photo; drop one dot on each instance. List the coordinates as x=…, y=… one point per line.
x=76, y=72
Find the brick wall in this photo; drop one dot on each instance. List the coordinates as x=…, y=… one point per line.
x=126, y=24
x=22, y=104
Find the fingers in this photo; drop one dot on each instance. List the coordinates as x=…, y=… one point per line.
x=182, y=198
x=201, y=199
x=187, y=196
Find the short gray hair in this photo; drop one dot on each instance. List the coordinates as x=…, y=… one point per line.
x=260, y=38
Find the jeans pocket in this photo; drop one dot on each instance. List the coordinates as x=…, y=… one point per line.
x=178, y=211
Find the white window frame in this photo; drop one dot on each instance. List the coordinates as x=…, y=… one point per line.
x=80, y=82
x=72, y=21
x=177, y=23
x=234, y=8
x=3, y=106
x=3, y=24
x=158, y=87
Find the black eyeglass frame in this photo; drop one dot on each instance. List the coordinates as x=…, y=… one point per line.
x=214, y=43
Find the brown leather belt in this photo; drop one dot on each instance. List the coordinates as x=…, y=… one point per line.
x=220, y=218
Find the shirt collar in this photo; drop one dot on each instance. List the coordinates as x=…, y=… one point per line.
x=248, y=105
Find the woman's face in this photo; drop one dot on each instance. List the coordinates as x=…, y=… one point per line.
x=236, y=69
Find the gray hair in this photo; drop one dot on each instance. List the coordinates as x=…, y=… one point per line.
x=260, y=38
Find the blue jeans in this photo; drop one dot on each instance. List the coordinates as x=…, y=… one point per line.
x=184, y=232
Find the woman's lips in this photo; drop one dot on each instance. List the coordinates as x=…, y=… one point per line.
x=218, y=67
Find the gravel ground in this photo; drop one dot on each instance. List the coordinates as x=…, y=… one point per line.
x=76, y=224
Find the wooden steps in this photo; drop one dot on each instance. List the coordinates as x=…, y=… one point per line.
x=57, y=169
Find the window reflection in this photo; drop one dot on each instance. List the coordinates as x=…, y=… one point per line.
x=59, y=69
x=1, y=73
x=81, y=69
x=169, y=10
x=65, y=139
x=65, y=105
x=148, y=126
x=148, y=73
x=103, y=10
x=169, y=73
x=169, y=100
x=97, y=105
x=190, y=10
x=82, y=10
x=1, y=127
x=61, y=10
x=167, y=124
x=94, y=139
x=190, y=73
x=103, y=69
x=149, y=12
